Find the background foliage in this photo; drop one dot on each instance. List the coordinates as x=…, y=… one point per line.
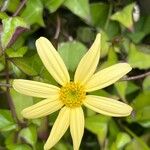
x=71, y=25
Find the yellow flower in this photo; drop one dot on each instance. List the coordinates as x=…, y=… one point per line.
x=72, y=95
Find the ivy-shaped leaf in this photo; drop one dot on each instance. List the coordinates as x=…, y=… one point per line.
x=124, y=16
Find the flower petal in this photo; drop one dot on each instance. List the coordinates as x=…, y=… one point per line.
x=42, y=108
x=59, y=128
x=35, y=89
x=77, y=126
x=107, y=106
x=88, y=63
x=106, y=77
x=52, y=61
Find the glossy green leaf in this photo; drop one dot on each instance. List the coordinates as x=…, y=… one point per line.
x=12, y=5
x=10, y=26
x=30, y=65
x=121, y=89
x=104, y=44
x=122, y=139
x=141, y=106
x=111, y=58
x=33, y=12
x=6, y=121
x=141, y=29
x=137, y=58
x=99, y=13
x=3, y=15
x=132, y=88
x=19, y=53
x=146, y=83
x=85, y=34
x=20, y=102
x=98, y=125
x=79, y=7
x=124, y=16
x=72, y=52
x=29, y=134
x=19, y=147
x=53, y=5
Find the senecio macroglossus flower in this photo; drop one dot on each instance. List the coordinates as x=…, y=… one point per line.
x=70, y=96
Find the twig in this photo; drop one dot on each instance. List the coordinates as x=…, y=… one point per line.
x=5, y=85
x=136, y=77
x=58, y=28
x=19, y=7
x=9, y=98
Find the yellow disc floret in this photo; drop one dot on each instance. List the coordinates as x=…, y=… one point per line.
x=72, y=94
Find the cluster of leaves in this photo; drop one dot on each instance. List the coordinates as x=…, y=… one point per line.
x=71, y=25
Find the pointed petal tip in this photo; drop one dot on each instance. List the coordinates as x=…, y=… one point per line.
x=98, y=35
x=129, y=68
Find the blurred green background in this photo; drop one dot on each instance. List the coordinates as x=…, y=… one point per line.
x=71, y=25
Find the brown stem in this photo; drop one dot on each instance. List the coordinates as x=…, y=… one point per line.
x=57, y=28
x=9, y=98
x=23, y=2
x=136, y=77
x=5, y=85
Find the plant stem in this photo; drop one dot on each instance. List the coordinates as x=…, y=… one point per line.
x=57, y=27
x=9, y=98
x=5, y=85
x=23, y=2
x=136, y=77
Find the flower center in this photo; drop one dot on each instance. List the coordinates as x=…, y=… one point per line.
x=72, y=94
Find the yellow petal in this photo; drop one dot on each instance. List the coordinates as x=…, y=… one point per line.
x=88, y=63
x=52, y=60
x=107, y=106
x=106, y=77
x=77, y=126
x=42, y=108
x=59, y=128
x=35, y=89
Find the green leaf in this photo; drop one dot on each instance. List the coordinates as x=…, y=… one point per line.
x=105, y=44
x=141, y=106
x=138, y=59
x=29, y=134
x=3, y=15
x=98, y=124
x=122, y=139
x=131, y=87
x=20, y=102
x=19, y=53
x=111, y=59
x=99, y=14
x=85, y=34
x=6, y=121
x=53, y=5
x=10, y=26
x=80, y=8
x=33, y=12
x=146, y=83
x=72, y=52
x=19, y=147
x=124, y=16
x=30, y=65
x=1, y=66
x=141, y=29
x=12, y=5
x=121, y=88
